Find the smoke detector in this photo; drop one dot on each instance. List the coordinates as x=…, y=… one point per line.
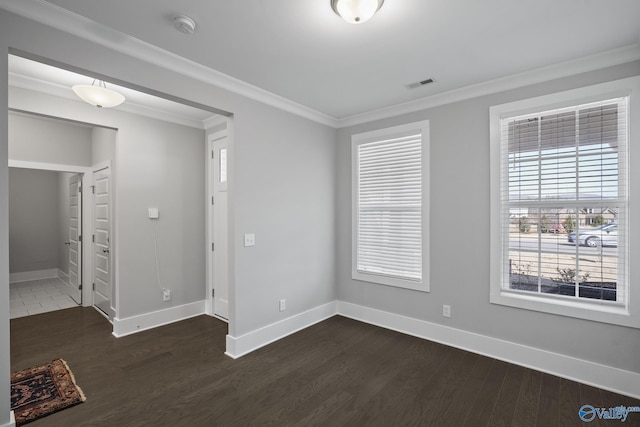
x=184, y=24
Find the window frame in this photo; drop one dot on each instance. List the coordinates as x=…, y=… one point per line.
x=376, y=135
x=625, y=313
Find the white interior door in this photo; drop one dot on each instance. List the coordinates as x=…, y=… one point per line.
x=102, y=226
x=75, y=232
x=220, y=229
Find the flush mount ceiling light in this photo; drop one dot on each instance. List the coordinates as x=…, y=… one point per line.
x=184, y=24
x=98, y=95
x=356, y=11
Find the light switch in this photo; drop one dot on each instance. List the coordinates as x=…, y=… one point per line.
x=249, y=240
x=154, y=213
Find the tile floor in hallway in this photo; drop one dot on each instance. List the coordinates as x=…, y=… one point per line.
x=39, y=296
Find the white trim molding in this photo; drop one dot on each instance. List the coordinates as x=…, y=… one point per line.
x=214, y=121
x=539, y=75
x=244, y=344
x=49, y=88
x=25, y=164
x=63, y=20
x=590, y=373
x=415, y=138
x=12, y=420
x=626, y=310
x=143, y=322
x=26, y=276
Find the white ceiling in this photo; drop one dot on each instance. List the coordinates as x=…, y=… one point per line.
x=302, y=51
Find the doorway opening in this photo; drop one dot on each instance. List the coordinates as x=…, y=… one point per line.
x=218, y=224
x=103, y=291
x=159, y=161
x=45, y=240
x=51, y=162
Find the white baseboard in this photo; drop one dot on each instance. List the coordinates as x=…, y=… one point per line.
x=63, y=276
x=12, y=421
x=25, y=276
x=244, y=344
x=591, y=373
x=142, y=322
x=594, y=374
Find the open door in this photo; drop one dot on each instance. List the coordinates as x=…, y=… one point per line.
x=102, y=226
x=75, y=237
x=220, y=149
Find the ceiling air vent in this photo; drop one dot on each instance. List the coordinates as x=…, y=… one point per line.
x=420, y=83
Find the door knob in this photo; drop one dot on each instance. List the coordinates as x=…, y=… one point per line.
x=67, y=243
x=106, y=251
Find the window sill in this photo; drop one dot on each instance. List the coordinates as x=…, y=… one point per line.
x=391, y=281
x=605, y=312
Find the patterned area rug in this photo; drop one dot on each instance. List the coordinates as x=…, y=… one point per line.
x=43, y=390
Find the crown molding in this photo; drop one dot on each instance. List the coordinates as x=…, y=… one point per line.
x=538, y=75
x=72, y=23
x=49, y=88
x=214, y=121
x=77, y=25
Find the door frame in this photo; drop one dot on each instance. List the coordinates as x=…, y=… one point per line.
x=113, y=299
x=87, y=212
x=80, y=218
x=209, y=229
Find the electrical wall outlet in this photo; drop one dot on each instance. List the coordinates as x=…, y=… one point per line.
x=283, y=304
x=446, y=310
x=166, y=294
x=249, y=240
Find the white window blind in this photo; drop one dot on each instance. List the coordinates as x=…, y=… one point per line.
x=563, y=192
x=389, y=204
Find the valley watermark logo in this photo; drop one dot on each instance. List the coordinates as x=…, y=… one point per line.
x=588, y=413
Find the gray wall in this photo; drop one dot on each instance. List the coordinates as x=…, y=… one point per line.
x=37, y=139
x=459, y=236
x=280, y=163
x=283, y=180
x=158, y=164
x=38, y=220
x=103, y=145
x=33, y=220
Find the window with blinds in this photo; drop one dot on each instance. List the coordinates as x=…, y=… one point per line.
x=563, y=195
x=389, y=199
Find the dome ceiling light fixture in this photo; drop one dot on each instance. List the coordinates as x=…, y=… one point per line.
x=98, y=95
x=356, y=11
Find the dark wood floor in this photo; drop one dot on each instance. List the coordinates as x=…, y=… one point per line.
x=339, y=372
